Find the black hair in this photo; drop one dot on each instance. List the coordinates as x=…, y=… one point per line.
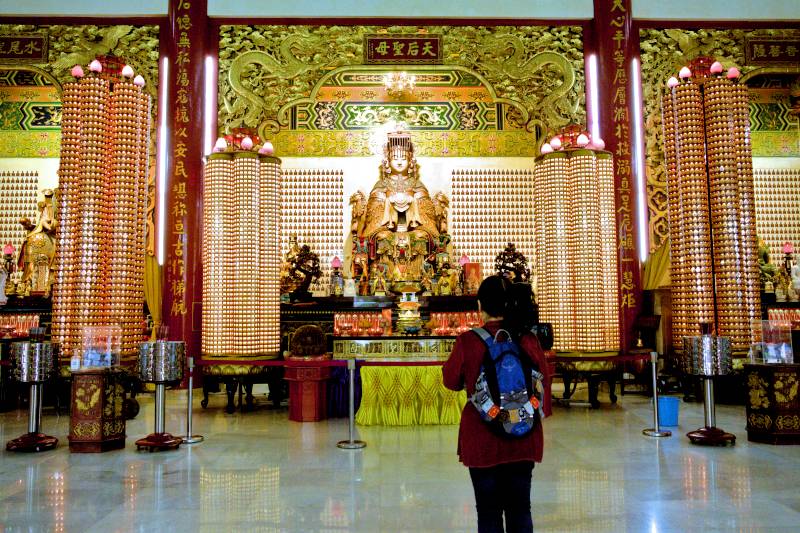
x=492, y=294
x=513, y=301
x=523, y=313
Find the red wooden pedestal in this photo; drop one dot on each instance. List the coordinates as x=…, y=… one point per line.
x=97, y=420
x=307, y=391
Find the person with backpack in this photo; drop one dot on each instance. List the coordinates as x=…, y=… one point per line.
x=500, y=437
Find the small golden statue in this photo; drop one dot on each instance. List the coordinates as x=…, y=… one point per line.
x=38, y=249
x=287, y=279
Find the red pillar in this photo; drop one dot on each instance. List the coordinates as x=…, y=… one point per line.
x=616, y=46
x=185, y=48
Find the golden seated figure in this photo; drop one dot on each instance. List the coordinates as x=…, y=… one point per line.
x=398, y=225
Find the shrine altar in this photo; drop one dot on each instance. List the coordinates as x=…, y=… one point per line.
x=401, y=379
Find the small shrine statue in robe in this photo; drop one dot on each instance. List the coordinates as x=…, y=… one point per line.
x=398, y=225
x=38, y=250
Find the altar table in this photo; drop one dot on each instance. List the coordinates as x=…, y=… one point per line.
x=406, y=388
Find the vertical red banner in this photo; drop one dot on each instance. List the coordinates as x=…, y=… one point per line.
x=616, y=47
x=188, y=33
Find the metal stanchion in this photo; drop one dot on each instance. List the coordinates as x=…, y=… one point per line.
x=351, y=444
x=655, y=431
x=189, y=438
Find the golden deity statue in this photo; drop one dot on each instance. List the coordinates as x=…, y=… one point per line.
x=288, y=281
x=39, y=249
x=398, y=225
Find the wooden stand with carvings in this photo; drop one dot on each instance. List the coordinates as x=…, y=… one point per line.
x=97, y=419
x=307, y=388
x=773, y=403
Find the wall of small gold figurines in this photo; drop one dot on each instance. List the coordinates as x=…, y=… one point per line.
x=777, y=208
x=18, y=195
x=241, y=255
x=312, y=209
x=99, y=263
x=489, y=209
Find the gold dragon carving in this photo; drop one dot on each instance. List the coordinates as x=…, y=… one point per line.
x=266, y=69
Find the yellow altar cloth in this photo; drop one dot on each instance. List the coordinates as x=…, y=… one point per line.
x=407, y=395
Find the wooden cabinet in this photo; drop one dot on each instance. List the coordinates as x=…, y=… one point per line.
x=97, y=418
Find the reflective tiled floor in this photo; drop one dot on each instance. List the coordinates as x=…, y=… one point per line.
x=259, y=472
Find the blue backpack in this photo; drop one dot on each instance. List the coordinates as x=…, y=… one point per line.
x=509, y=391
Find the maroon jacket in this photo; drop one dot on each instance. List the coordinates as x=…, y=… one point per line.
x=478, y=446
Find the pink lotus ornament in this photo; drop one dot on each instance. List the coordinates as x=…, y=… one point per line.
x=95, y=66
x=138, y=81
x=247, y=143
x=598, y=144
x=463, y=260
x=8, y=249
x=220, y=145
x=673, y=82
x=716, y=67
x=546, y=149
x=267, y=149
x=733, y=73
x=788, y=248
x=555, y=142
x=582, y=140
x=77, y=71
x=336, y=263
x=685, y=73
x=127, y=71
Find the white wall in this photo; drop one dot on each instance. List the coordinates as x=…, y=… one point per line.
x=776, y=162
x=543, y=9
x=717, y=9
x=47, y=167
x=89, y=8
x=570, y=9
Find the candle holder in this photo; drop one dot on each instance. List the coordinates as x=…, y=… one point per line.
x=34, y=363
x=708, y=356
x=161, y=362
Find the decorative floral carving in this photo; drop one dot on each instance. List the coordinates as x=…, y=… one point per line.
x=757, y=387
x=785, y=388
x=787, y=422
x=759, y=421
x=86, y=430
x=86, y=399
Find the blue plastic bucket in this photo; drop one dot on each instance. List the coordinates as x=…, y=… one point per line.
x=668, y=410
